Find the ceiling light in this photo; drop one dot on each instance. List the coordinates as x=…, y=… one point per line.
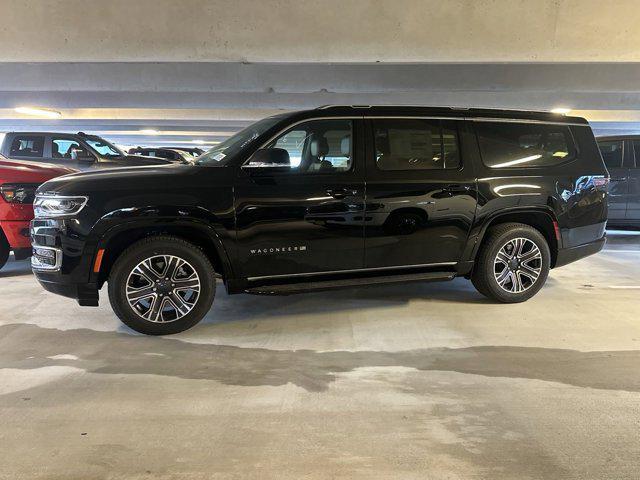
x=561, y=110
x=198, y=142
x=40, y=112
x=150, y=131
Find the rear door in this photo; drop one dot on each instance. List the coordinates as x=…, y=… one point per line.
x=613, y=154
x=27, y=147
x=633, y=203
x=421, y=194
x=305, y=217
x=59, y=148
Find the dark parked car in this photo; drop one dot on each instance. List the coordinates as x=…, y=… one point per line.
x=76, y=150
x=327, y=198
x=18, y=184
x=621, y=154
x=193, y=151
x=172, y=154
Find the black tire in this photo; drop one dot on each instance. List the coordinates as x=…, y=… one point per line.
x=154, y=247
x=485, y=270
x=5, y=249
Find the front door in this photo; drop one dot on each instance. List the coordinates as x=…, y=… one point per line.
x=613, y=154
x=305, y=217
x=421, y=196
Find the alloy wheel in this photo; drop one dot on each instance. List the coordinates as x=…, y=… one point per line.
x=517, y=265
x=163, y=288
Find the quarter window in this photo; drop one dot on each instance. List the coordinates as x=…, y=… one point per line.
x=612, y=153
x=27, y=146
x=416, y=144
x=318, y=146
x=509, y=145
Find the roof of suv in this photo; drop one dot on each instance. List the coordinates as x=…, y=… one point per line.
x=412, y=110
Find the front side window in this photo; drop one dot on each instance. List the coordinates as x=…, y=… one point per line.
x=416, y=144
x=318, y=146
x=27, y=146
x=62, y=148
x=509, y=145
x=612, y=152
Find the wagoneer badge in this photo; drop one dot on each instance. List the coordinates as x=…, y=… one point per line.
x=263, y=251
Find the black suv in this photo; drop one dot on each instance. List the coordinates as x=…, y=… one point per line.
x=80, y=151
x=621, y=155
x=325, y=198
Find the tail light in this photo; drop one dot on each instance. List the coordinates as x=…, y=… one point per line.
x=18, y=192
x=601, y=183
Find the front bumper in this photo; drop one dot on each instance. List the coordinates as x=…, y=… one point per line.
x=17, y=233
x=86, y=294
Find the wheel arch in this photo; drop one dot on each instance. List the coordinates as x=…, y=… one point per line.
x=116, y=240
x=541, y=219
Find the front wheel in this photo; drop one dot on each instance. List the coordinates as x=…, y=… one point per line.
x=5, y=249
x=161, y=285
x=513, y=263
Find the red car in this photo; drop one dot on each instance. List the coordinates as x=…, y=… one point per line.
x=18, y=183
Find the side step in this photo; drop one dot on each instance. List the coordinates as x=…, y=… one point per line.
x=302, y=287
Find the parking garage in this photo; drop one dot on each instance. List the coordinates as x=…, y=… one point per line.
x=333, y=370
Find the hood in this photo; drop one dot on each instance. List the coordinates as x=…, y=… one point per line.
x=114, y=180
x=18, y=171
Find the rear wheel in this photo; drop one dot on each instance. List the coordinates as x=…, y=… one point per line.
x=4, y=250
x=513, y=263
x=162, y=285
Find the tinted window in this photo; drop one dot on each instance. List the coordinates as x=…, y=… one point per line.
x=27, y=146
x=636, y=148
x=506, y=144
x=61, y=147
x=318, y=146
x=611, y=152
x=416, y=144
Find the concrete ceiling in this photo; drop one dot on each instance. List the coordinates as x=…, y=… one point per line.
x=199, y=70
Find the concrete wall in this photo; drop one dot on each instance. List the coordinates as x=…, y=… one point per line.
x=320, y=30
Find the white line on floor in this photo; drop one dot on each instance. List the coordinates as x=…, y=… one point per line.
x=621, y=251
x=625, y=287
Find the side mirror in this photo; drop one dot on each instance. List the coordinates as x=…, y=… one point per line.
x=269, y=158
x=82, y=155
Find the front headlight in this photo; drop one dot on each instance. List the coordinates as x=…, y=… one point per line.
x=56, y=206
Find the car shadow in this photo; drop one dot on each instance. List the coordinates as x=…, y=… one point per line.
x=25, y=346
x=15, y=268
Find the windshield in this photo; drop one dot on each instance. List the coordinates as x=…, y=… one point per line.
x=102, y=147
x=222, y=152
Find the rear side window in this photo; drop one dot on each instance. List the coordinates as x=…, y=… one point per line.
x=405, y=144
x=27, y=146
x=611, y=151
x=509, y=145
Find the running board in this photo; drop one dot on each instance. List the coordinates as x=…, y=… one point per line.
x=302, y=287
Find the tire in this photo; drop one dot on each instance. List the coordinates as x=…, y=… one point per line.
x=5, y=249
x=515, y=275
x=156, y=304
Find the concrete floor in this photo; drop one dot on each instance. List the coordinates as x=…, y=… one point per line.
x=406, y=381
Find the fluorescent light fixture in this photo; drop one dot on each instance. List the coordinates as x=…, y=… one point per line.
x=198, y=142
x=561, y=110
x=39, y=112
x=149, y=131
x=516, y=162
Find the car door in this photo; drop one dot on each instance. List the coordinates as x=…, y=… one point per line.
x=633, y=201
x=27, y=147
x=305, y=217
x=613, y=154
x=59, y=149
x=421, y=195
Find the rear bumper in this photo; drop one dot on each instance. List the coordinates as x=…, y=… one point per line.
x=17, y=233
x=568, y=255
